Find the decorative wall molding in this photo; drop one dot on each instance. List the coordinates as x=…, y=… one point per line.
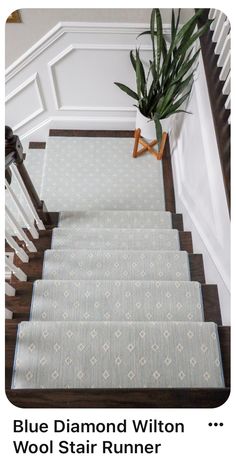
x=115, y=110
x=74, y=28
x=88, y=46
x=32, y=80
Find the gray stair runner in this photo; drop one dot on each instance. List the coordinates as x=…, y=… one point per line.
x=110, y=238
x=116, y=307
x=116, y=264
x=99, y=174
x=115, y=219
x=117, y=355
x=116, y=301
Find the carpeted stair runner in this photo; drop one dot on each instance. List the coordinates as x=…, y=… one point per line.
x=117, y=355
x=116, y=301
x=116, y=307
x=115, y=219
x=116, y=264
x=122, y=239
x=99, y=174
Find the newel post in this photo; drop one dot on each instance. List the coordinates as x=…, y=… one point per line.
x=14, y=153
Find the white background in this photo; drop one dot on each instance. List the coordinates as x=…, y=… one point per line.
x=199, y=446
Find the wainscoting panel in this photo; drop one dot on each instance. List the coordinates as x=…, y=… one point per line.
x=81, y=73
x=27, y=92
x=199, y=187
x=77, y=64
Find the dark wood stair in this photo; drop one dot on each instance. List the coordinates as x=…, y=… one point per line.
x=115, y=398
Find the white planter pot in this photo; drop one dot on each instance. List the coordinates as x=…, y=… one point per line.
x=147, y=126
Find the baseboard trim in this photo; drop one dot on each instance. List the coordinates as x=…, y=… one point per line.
x=168, y=179
x=91, y=133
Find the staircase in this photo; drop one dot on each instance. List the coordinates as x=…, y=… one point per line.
x=115, y=311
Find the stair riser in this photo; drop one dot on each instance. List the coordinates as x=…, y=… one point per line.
x=116, y=219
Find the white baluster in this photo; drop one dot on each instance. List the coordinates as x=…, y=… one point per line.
x=33, y=231
x=226, y=68
x=15, y=270
x=215, y=17
x=18, y=250
x=212, y=13
x=227, y=85
x=222, y=37
x=27, y=197
x=9, y=290
x=8, y=314
x=224, y=52
x=19, y=231
x=228, y=102
x=218, y=27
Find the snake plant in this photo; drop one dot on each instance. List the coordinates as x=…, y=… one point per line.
x=167, y=83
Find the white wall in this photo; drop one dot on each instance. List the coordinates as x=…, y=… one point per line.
x=199, y=188
x=38, y=21
x=67, y=80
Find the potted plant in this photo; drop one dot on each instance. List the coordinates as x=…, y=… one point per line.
x=164, y=86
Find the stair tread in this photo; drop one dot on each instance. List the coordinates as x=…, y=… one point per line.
x=116, y=219
x=100, y=173
x=116, y=300
x=115, y=238
x=117, y=355
x=116, y=264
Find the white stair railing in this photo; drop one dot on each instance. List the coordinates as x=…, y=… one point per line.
x=8, y=313
x=24, y=213
x=25, y=217
x=222, y=39
x=17, y=272
x=19, y=230
x=18, y=250
x=27, y=197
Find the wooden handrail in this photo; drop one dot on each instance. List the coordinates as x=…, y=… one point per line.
x=217, y=101
x=9, y=159
x=13, y=145
x=14, y=154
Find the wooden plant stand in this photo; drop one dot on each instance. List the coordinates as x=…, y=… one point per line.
x=148, y=146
